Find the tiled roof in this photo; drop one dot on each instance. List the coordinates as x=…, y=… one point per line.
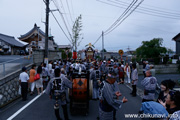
x=64, y=46
x=10, y=40
x=175, y=38
x=31, y=31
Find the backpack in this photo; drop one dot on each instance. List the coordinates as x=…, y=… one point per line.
x=57, y=90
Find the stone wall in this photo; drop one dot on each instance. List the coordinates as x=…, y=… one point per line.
x=38, y=55
x=9, y=86
x=163, y=69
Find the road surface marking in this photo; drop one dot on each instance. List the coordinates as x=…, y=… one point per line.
x=24, y=107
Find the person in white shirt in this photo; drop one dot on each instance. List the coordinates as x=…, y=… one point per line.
x=23, y=81
x=50, y=65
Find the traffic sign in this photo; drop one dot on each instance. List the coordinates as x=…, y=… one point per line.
x=121, y=52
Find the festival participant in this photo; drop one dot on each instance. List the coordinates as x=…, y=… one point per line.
x=127, y=71
x=109, y=97
x=149, y=83
x=56, y=91
x=134, y=77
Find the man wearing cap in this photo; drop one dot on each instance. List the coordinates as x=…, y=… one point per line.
x=23, y=81
x=109, y=97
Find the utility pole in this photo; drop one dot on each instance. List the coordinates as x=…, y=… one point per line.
x=128, y=49
x=102, y=45
x=46, y=32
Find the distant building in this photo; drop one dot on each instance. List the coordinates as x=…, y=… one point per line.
x=36, y=40
x=177, y=40
x=127, y=57
x=65, y=47
x=9, y=45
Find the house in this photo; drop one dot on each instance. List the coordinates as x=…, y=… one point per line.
x=9, y=45
x=36, y=39
x=177, y=40
x=65, y=47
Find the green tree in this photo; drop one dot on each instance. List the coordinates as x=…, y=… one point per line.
x=151, y=49
x=64, y=55
x=76, y=35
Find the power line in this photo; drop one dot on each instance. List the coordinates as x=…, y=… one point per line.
x=123, y=14
x=161, y=12
x=64, y=12
x=62, y=18
x=159, y=8
x=126, y=17
x=97, y=39
x=116, y=24
x=146, y=13
x=72, y=8
x=69, y=11
x=60, y=27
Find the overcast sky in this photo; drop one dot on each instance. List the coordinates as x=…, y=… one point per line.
x=19, y=16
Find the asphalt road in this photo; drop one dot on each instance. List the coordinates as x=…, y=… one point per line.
x=42, y=108
x=5, y=58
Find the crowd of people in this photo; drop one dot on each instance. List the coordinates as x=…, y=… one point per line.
x=107, y=76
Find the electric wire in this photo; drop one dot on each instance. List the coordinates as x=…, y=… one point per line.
x=72, y=8
x=126, y=17
x=110, y=29
x=161, y=12
x=97, y=40
x=69, y=11
x=62, y=18
x=122, y=15
x=64, y=13
x=138, y=11
x=60, y=27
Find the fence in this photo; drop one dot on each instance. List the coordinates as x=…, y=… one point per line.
x=15, y=64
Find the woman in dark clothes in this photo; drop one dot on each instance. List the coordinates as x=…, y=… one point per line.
x=166, y=86
x=172, y=101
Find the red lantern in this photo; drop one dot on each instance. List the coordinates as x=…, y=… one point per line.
x=74, y=55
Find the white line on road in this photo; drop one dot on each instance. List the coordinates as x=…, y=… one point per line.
x=128, y=86
x=131, y=89
x=24, y=107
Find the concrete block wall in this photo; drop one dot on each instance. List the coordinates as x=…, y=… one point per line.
x=9, y=86
x=162, y=69
x=38, y=55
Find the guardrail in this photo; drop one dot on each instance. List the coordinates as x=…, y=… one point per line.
x=12, y=65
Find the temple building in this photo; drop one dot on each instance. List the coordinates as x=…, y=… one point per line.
x=9, y=45
x=36, y=40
